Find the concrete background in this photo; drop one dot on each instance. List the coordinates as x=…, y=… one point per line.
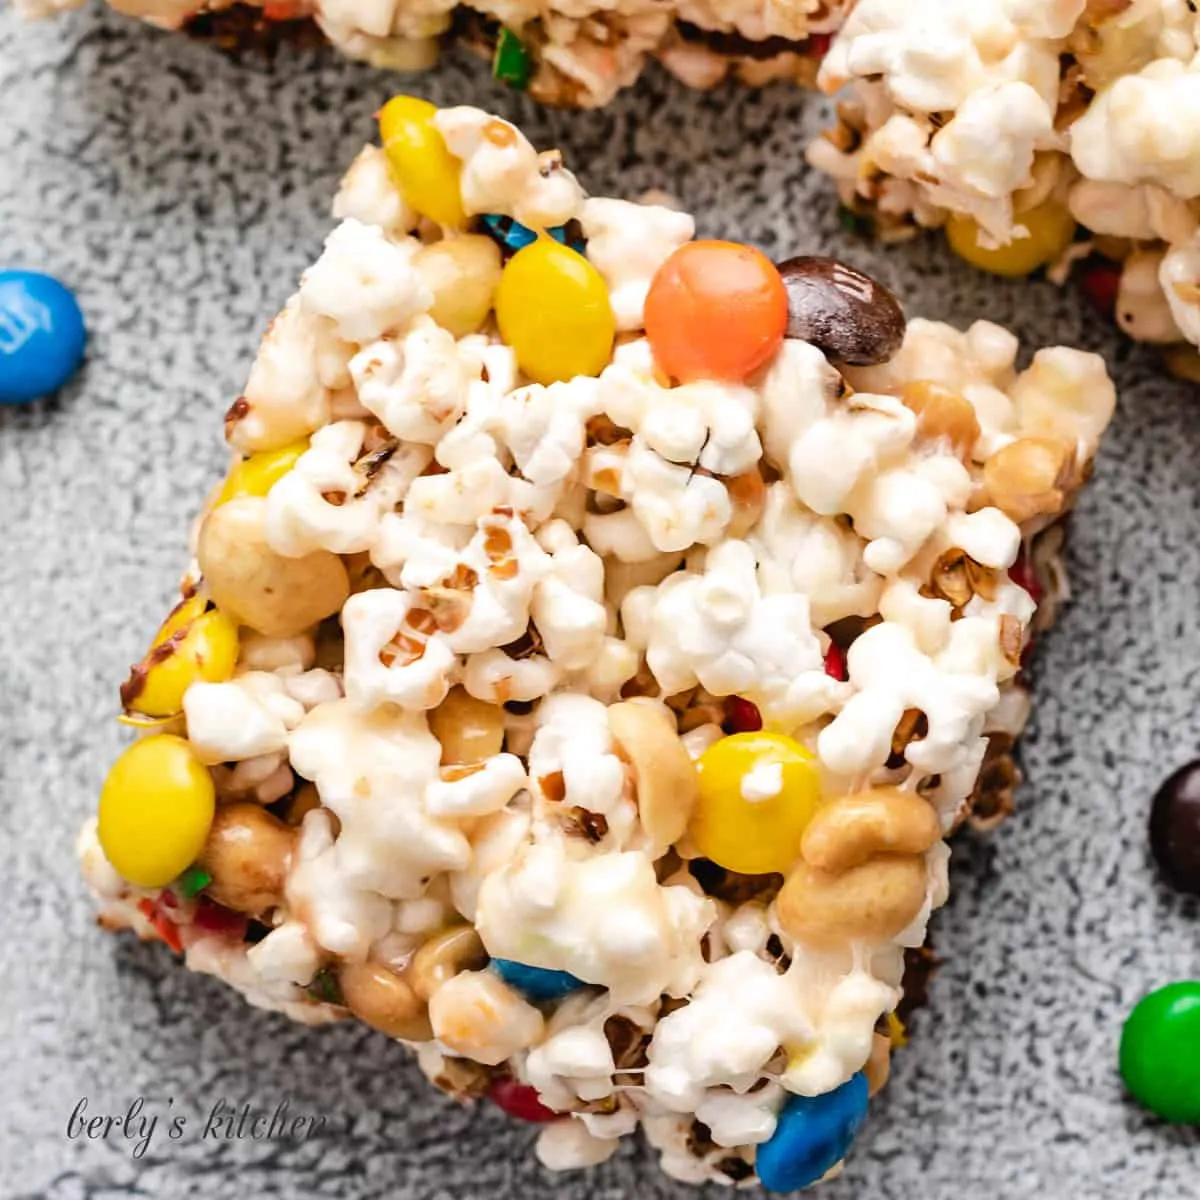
x=181, y=194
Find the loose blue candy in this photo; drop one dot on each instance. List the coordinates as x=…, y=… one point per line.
x=42, y=336
x=536, y=982
x=514, y=236
x=813, y=1134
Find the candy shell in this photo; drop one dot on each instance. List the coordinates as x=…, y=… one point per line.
x=1175, y=829
x=513, y=236
x=758, y=792
x=42, y=336
x=1160, y=1052
x=519, y=1100
x=813, y=1134
x=537, y=983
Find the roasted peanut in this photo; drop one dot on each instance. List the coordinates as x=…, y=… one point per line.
x=476, y=1014
x=942, y=415
x=1027, y=477
x=247, y=853
x=848, y=831
x=470, y=730
x=879, y=1065
x=664, y=776
x=277, y=596
x=871, y=903
x=445, y=955
x=384, y=1000
x=463, y=274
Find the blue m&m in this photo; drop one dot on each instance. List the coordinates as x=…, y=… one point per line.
x=537, y=983
x=514, y=236
x=42, y=336
x=813, y=1134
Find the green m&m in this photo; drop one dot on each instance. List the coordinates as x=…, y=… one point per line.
x=1160, y=1053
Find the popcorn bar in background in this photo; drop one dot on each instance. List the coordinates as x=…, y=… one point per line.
x=1007, y=122
x=578, y=53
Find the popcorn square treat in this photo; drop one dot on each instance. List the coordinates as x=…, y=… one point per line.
x=1010, y=123
x=577, y=53
x=592, y=644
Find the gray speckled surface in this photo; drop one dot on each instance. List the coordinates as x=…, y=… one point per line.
x=181, y=194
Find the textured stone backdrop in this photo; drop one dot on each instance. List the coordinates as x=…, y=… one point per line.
x=180, y=194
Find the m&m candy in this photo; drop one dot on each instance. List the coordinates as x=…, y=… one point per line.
x=538, y=983
x=812, y=1135
x=1160, y=1052
x=42, y=336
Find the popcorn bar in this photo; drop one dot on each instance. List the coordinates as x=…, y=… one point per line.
x=592, y=644
x=1013, y=122
x=578, y=53
x=1037, y=135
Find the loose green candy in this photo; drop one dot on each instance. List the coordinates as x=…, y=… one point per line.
x=1160, y=1052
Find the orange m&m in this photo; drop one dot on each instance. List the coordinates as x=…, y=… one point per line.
x=715, y=310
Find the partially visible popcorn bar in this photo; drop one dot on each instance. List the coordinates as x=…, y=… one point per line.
x=577, y=53
x=593, y=643
x=1008, y=122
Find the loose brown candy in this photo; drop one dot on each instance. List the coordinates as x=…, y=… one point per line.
x=1175, y=829
x=847, y=315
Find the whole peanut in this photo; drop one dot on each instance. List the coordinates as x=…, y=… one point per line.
x=248, y=853
x=848, y=831
x=445, y=955
x=664, y=775
x=277, y=596
x=386, y=1001
x=871, y=903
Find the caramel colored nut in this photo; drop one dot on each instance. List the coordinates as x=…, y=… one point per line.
x=277, y=596
x=1026, y=478
x=664, y=776
x=247, y=854
x=879, y=1065
x=852, y=829
x=470, y=730
x=942, y=415
x=478, y=1016
x=445, y=955
x=847, y=315
x=384, y=1000
x=871, y=903
x=463, y=274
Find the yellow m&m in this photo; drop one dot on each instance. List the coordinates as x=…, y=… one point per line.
x=156, y=808
x=758, y=792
